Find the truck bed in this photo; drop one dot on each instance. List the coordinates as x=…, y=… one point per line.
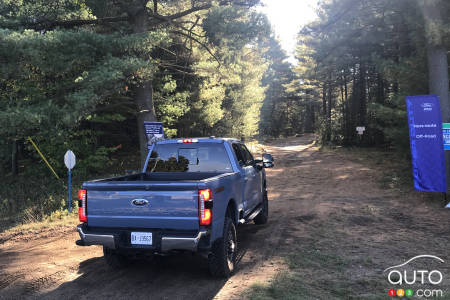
x=172, y=200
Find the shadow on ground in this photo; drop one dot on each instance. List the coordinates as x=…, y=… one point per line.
x=182, y=276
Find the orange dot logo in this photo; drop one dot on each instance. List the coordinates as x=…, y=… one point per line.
x=400, y=292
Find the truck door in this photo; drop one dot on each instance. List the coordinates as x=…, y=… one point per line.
x=241, y=161
x=253, y=188
x=251, y=194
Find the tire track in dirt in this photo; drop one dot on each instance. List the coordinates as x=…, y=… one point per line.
x=262, y=250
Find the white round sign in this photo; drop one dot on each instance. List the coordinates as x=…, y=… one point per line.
x=69, y=159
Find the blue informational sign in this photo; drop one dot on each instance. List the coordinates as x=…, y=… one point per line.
x=154, y=132
x=446, y=135
x=425, y=134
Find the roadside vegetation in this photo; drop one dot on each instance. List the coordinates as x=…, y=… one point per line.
x=58, y=221
x=394, y=168
x=295, y=283
x=88, y=85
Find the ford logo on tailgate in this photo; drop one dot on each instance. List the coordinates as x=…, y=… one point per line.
x=139, y=202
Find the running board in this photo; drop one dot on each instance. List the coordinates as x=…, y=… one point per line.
x=251, y=216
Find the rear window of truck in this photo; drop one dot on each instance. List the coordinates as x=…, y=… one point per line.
x=193, y=157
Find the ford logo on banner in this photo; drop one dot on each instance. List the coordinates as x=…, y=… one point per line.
x=426, y=139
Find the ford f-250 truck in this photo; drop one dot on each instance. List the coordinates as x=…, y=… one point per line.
x=190, y=196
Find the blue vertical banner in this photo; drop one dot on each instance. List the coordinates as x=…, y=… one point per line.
x=426, y=139
x=154, y=132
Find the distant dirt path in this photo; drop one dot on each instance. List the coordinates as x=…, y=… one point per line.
x=317, y=199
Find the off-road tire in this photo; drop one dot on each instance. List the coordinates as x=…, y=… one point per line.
x=263, y=216
x=222, y=258
x=114, y=259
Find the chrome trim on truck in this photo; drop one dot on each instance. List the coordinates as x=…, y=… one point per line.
x=96, y=239
x=181, y=243
x=167, y=242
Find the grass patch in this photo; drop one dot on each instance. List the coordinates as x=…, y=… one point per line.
x=312, y=274
x=318, y=275
x=315, y=259
x=284, y=286
x=395, y=167
x=57, y=219
x=35, y=195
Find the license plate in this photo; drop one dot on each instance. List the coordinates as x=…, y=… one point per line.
x=141, y=238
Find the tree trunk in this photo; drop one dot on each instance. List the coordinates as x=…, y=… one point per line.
x=324, y=113
x=14, y=159
x=343, y=123
x=380, y=89
x=379, y=134
x=348, y=115
x=438, y=77
x=436, y=54
x=437, y=63
x=363, y=95
x=146, y=112
x=143, y=92
x=309, y=117
x=354, y=102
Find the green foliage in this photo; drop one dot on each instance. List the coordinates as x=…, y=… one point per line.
x=227, y=99
x=235, y=27
x=73, y=85
x=357, y=62
x=281, y=109
x=170, y=102
x=243, y=97
x=15, y=13
x=56, y=79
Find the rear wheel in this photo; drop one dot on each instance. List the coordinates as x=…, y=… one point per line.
x=263, y=216
x=222, y=258
x=114, y=259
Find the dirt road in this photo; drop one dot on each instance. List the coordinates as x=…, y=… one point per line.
x=320, y=203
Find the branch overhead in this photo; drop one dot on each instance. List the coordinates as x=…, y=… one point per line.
x=154, y=17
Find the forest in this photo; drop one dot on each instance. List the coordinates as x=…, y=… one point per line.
x=85, y=74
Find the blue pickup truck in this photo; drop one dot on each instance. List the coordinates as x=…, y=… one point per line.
x=190, y=196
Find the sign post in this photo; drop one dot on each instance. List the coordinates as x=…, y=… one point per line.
x=69, y=161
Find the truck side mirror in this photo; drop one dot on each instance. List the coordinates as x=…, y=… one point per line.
x=267, y=160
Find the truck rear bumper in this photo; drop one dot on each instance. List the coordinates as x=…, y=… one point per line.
x=168, y=242
x=88, y=239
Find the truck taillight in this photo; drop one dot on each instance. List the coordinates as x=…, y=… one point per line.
x=82, y=196
x=205, y=206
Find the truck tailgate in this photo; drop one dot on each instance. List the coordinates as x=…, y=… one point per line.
x=143, y=205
